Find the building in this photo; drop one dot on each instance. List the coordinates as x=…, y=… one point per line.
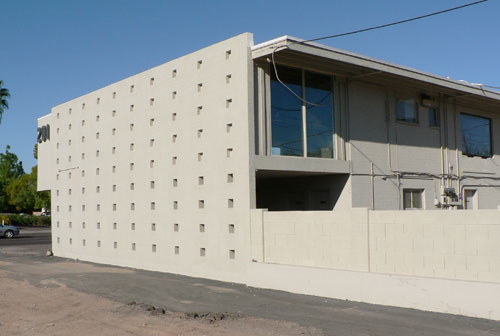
x=166, y=170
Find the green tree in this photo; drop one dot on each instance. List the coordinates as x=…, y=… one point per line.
x=10, y=169
x=21, y=193
x=4, y=104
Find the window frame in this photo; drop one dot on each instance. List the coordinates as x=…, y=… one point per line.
x=490, y=139
x=413, y=191
x=335, y=110
x=416, y=109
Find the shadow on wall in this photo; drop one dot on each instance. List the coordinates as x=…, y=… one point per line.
x=300, y=192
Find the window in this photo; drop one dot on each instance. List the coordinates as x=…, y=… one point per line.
x=314, y=108
x=476, y=135
x=470, y=199
x=413, y=199
x=433, y=117
x=407, y=111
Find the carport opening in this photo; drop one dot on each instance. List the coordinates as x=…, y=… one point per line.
x=298, y=191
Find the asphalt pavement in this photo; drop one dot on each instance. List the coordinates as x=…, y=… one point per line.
x=186, y=294
x=29, y=236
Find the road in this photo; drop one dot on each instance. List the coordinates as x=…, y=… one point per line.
x=185, y=294
x=29, y=237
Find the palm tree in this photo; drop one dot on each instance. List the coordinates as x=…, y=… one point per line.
x=4, y=94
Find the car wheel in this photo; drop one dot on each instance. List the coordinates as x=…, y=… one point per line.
x=8, y=234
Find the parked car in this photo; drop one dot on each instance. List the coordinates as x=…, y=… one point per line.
x=8, y=231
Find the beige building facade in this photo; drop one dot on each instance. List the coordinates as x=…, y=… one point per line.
x=169, y=170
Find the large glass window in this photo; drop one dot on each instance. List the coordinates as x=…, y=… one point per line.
x=286, y=113
x=320, y=115
x=289, y=112
x=476, y=135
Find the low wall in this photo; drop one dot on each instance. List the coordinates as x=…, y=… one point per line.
x=444, y=261
x=461, y=245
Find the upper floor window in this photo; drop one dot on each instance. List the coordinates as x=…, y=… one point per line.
x=433, y=117
x=476, y=135
x=406, y=110
x=310, y=104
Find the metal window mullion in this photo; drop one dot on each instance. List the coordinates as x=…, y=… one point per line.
x=304, y=115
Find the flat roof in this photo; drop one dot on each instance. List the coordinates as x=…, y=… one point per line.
x=287, y=42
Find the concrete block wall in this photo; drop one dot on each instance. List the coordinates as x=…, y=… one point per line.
x=460, y=245
x=152, y=171
x=443, y=244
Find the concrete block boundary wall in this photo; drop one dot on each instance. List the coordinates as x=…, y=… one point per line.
x=442, y=261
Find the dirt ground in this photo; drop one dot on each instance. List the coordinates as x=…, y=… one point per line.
x=51, y=308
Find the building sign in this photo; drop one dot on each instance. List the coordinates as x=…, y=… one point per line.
x=43, y=133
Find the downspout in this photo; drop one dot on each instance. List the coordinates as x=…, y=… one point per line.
x=389, y=157
x=456, y=150
x=442, y=101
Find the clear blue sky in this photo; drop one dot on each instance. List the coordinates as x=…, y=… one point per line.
x=53, y=51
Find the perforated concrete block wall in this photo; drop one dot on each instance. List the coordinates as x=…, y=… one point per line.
x=152, y=171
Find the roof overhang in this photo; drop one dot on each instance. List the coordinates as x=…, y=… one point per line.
x=288, y=49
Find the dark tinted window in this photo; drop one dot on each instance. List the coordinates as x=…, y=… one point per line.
x=476, y=135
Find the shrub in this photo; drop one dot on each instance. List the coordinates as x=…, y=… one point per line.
x=25, y=220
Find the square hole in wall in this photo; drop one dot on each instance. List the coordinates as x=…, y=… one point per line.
x=200, y=132
x=174, y=116
x=201, y=180
x=228, y=78
x=132, y=226
x=201, y=204
x=131, y=88
x=174, y=73
x=229, y=126
x=199, y=109
x=84, y=242
x=133, y=246
x=228, y=102
x=176, y=205
x=151, y=102
x=198, y=64
x=231, y=228
x=230, y=203
x=115, y=225
x=153, y=248
x=98, y=225
x=176, y=227
x=176, y=249
x=200, y=156
x=98, y=243
x=115, y=245
x=153, y=227
x=174, y=182
x=230, y=178
x=151, y=81
x=199, y=86
x=202, y=252
x=202, y=227
x=232, y=254
x=229, y=152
